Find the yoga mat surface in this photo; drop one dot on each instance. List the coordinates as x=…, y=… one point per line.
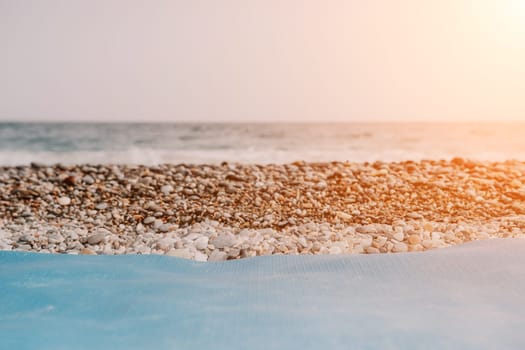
x=466, y=297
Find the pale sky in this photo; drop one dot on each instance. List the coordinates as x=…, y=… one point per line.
x=262, y=60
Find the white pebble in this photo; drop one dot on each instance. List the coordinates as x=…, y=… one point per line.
x=372, y=250
x=201, y=243
x=224, y=240
x=88, y=180
x=164, y=227
x=400, y=247
x=217, y=255
x=148, y=220
x=64, y=201
x=96, y=238
x=436, y=236
x=343, y=215
x=366, y=241
x=101, y=206
x=166, y=244
x=334, y=250
x=399, y=236
x=166, y=189
x=200, y=256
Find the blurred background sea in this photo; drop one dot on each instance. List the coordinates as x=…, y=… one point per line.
x=154, y=143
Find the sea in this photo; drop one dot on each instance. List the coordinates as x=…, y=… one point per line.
x=262, y=143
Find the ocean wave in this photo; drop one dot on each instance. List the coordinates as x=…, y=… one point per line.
x=151, y=144
x=261, y=156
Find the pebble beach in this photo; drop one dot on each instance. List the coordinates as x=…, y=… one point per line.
x=215, y=212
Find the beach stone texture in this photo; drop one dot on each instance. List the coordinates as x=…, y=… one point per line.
x=215, y=212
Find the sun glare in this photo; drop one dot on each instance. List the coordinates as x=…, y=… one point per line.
x=515, y=10
x=502, y=21
x=519, y=5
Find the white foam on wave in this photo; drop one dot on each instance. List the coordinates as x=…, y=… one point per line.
x=151, y=144
x=154, y=157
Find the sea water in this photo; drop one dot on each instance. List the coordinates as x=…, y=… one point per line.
x=149, y=144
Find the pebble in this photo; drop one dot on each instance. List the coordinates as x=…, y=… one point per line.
x=399, y=236
x=26, y=238
x=234, y=253
x=164, y=227
x=428, y=244
x=64, y=201
x=400, y=247
x=343, y=215
x=366, y=229
x=72, y=235
x=366, y=241
x=224, y=240
x=414, y=239
x=139, y=229
x=149, y=220
x=428, y=227
x=201, y=243
x=200, y=257
x=380, y=241
x=97, y=237
x=101, y=206
x=157, y=223
x=335, y=250
x=166, y=243
x=88, y=179
x=55, y=238
x=217, y=255
x=87, y=251
x=5, y=246
x=166, y=189
x=372, y=250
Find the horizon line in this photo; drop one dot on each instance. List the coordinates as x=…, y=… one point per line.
x=58, y=121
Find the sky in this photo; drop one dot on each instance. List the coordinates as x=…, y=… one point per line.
x=262, y=60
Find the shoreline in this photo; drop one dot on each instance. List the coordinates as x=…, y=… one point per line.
x=229, y=211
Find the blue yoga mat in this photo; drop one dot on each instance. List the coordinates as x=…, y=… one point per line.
x=466, y=297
